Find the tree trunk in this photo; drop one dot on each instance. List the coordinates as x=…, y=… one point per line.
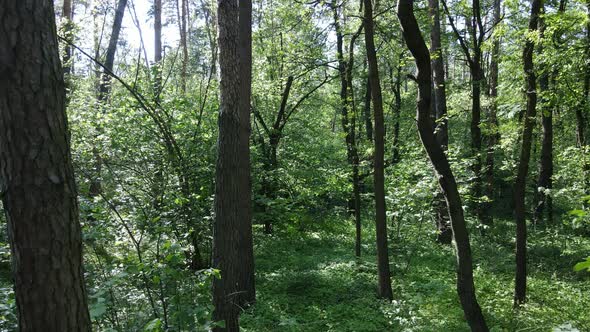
x=523, y=162
x=476, y=138
x=443, y=226
x=183, y=44
x=68, y=27
x=36, y=178
x=232, y=185
x=104, y=90
x=109, y=61
x=545, y=181
x=348, y=117
x=367, y=113
x=157, y=47
x=493, y=137
x=379, y=176
x=438, y=158
x=246, y=279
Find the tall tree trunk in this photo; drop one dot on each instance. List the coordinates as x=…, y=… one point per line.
x=379, y=176
x=68, y=27
x=438, y=158
x=157, y=47
x=443, y=225
x=348, y=117
x=493, y=136
x=104, y=90
x=397, y=87
x=367, y=113
x=583, y=109
x=183, y=13
x=476, y=138
x=105, y=86
x=36, y=178
x=245, y=244
x=231, y=248
x=525, y=154
x=545, y=181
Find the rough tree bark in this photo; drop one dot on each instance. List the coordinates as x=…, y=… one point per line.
x=379, y=176
x=443, y=226
x=245, y=245
x=525, y=154
x=231, y=248
x=36, y=175
x=438, y=158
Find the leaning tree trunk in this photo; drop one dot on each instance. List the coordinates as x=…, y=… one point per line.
x=104, y=89
x=231, y=247
x=443, y=226
x=523, y=162
x=438, y=158
x=36, y=177
x=379, y=176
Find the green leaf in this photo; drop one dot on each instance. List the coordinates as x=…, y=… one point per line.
x=585, y=265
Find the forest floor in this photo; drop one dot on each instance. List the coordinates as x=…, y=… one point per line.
x=311, y=281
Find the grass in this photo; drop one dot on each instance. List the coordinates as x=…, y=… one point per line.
x=311, y=281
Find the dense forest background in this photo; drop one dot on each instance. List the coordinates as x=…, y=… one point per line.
x=507, y=105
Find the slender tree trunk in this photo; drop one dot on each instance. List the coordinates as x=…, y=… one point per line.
x=158, y=46
x=493, y=137
x=231, y=248
x=397, y=87
x=545, y=181
x=183, y=44
x=523, y=162
x=36, y=177
x=68, y=27
x=476, y=137
x=245, y=244
x=348, y=117
x=104, y=90
x=367, y=113
x=105, y=86
x=581, y=111
x=443, y=225
x=438, y=158
x=379, y=176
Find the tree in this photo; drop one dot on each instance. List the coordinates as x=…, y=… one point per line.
x=232, y=247
x=246, y=280
x=378, y=176
x=37, y=180
x=465, y=286
x=158, y=46
x=348, y=117
x=493, y=136
x=440, y=113
x=68, y=27
x=525, y=154
x=473, y=54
